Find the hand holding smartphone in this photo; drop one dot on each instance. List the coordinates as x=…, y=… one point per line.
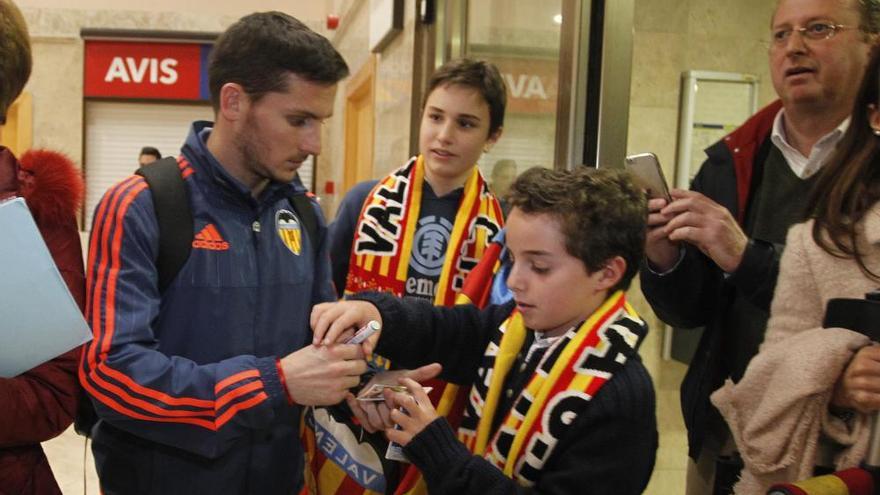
x=647, y=174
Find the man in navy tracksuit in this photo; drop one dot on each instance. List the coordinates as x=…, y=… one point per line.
x=198, y=387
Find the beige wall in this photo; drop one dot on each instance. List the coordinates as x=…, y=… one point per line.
x=670, y=36
x=673, y=36
x=57, y=79
x=313, y=10
x=393, y=93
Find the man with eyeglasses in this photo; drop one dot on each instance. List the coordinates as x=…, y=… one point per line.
x=713, y=252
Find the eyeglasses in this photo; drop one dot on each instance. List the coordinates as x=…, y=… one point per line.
x=814, y=31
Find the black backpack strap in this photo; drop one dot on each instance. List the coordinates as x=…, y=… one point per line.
x=174, y=215
x=306, y=213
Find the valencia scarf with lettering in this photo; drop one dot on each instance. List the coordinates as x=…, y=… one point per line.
x=337, y=462
x=575, y=367
x=383, y=239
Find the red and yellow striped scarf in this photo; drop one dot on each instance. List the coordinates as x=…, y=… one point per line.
x=380, y=261
x=576, y=366
x=384, y=233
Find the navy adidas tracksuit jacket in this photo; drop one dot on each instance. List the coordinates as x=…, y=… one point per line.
x=186, y=383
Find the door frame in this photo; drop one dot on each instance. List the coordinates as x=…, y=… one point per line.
x=17, y=134
x=360, y=92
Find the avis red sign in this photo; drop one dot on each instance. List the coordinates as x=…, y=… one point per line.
x=167, y=71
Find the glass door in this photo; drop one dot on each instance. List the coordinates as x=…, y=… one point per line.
x=567, y=68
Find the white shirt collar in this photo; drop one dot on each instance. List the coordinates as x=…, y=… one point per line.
x=802, y=166
x=542, y=342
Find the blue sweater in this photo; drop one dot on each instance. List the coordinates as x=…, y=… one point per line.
x=186, y=382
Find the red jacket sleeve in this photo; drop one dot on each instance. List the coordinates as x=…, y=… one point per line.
x=40, y=404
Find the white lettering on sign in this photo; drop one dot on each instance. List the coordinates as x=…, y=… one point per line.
x=525, y=86
x=129, y=70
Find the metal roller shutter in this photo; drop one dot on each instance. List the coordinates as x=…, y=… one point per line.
x=116, y=132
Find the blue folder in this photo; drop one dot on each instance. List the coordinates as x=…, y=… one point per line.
x=39, y=318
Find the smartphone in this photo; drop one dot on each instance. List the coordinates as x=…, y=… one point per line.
x=647, y=174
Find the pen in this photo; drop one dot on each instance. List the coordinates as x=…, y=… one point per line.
x=364, y=332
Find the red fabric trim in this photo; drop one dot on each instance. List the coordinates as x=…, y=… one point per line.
x=238, y=392
x=232, y=379
x=859, y=481
x=743, y=144
x=241, y=406
x=154, y=394
x=283, y=381
x=100, y=231
x=478, y=283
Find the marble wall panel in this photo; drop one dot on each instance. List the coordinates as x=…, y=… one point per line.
x=57, y=88
x=393, y=90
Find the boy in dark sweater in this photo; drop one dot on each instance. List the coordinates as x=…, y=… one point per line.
x=559, y=400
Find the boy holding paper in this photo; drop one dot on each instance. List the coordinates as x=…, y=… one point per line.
x=559, y=401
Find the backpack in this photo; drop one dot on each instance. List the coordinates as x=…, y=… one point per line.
x=176, y=232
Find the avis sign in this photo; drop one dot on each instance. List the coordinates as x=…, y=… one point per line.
x=139, y=70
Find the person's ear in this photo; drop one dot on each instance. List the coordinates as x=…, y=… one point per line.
x=611, y=273
x=234, y=101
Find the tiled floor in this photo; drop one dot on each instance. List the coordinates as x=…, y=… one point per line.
x=66, y=454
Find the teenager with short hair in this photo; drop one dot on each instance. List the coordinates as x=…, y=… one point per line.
x=417, y=232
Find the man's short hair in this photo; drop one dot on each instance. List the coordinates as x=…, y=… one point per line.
x=483, y=77
x=15, y=55
x=601, y=212
x=149, y=150
x=261, y=49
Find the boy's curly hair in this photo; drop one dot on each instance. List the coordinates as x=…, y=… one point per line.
x=601, y=212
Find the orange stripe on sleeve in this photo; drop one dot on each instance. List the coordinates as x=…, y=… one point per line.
x=104, y=329
x=238, y=392
x=113, y=272
x=154, y=394
x=241, y=406
x=112, y=404
x=244, y=375
x=145, y=405
x=105, y=249
x=94, y=294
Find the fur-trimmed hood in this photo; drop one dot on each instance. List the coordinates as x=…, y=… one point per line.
x=51, y=184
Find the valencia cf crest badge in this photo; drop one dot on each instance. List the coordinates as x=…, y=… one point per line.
x=289, y=231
